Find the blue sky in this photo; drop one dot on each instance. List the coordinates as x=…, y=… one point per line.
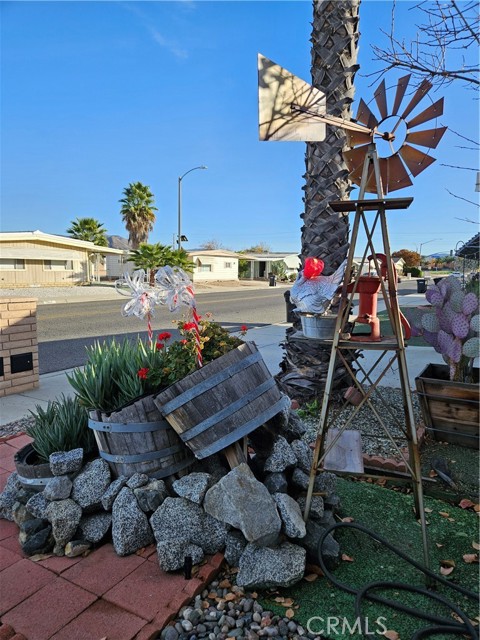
x=96, y=95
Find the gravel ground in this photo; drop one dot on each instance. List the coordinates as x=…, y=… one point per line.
x=13, y=428
x=374, y=440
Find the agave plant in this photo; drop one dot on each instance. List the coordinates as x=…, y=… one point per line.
x=61, y=426
x=451, y=325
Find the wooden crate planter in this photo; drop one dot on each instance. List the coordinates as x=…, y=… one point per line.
x=222, y=402
x=450, y=409
x=137, y=439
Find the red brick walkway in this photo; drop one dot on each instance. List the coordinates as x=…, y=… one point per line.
x=100, y=596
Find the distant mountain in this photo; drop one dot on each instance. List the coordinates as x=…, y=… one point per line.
x=117, y=242
x=440, y=254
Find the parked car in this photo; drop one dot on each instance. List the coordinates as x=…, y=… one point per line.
x=457, y=274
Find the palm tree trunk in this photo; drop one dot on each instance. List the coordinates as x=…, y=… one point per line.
x=324, y=233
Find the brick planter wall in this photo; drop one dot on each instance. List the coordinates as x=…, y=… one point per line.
x=18, y=345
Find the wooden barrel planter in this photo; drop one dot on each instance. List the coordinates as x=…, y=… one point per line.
x=32, y=474
x=222, y=402
x=137, y=439
x=450, y=409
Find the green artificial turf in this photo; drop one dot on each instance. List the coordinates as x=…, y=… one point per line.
x=386, y=330
x=390, y=514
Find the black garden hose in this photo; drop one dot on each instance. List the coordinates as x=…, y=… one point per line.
x=441, y=625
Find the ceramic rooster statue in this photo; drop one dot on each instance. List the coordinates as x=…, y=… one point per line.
x=312, y=292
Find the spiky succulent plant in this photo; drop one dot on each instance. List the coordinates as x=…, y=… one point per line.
x=451, y=325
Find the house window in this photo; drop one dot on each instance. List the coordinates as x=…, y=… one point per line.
x=205, y=267
x=228, y=265
x=12, y=264
x=58, y=265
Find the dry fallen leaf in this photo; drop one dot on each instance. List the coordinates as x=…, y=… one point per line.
x=432, y=474
x=476, y=508
x=437, y=544
x=288, y=602
x=289, y=613
x=476, y=546
x=346, y=558
x=347, y=519
x=391, y=634
x=428, y=510
x=470, y=558
x=254, y=595
x=447, y=563
x=445, y=514
x=314, y=568
x=446, y=571
x=311, y=577
x=40, y=556
x=279, y=599
x=466, y=503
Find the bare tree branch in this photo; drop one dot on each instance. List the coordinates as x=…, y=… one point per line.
x=448, y=28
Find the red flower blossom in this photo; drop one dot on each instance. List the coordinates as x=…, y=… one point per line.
x=244, y=328
x=142, y=373
x=189, y=326
x=159, y=346
x=164, y=336
x=183, y=341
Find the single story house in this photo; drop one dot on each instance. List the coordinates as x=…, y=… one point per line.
x=29, y=258
x=214, y=264
x=261, y=264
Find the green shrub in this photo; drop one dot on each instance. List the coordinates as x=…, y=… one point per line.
x=415, y=271
x=62, y=426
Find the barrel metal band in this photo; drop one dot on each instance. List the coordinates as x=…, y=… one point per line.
x=228, y=411
x=128, y=427
x=33, y=481
x=244, y=429
x=140, y=457
x=209, y=383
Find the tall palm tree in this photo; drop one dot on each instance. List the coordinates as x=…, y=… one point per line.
x=325, y=233
x=90, y=230
x=138, y=212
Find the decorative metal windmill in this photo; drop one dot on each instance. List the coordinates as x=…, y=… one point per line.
x=290, y=109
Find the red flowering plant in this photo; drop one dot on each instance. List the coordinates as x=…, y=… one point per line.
x=181, y=357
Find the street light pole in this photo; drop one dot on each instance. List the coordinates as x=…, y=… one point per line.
x=421, y=245
x=179, y=237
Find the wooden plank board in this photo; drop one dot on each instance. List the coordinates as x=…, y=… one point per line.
x=346, y=454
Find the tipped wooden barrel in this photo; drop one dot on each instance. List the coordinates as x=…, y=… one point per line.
x=137, y=439
x=222, y=402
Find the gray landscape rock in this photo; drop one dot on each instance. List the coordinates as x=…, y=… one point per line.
x=130, y=528
x=151, y=495
x=282, y=456
x=24, y=495
x=8, y=496
x=181, y=519
x=325, y=482
x=316, y=507
x=330, y=547
x=76, y=548
x=94, y=527
x=58, y=488
x=171, y=555
x=20, y=513
x=276, y=482
x=137, y=480
x=64, y=516
x=91, y=484
x=40, y=542
x=30, y=528
x=240, y=500
x=235, y=544
x=63, y=462
x=264, y=567
x=304, y=455
x=294, y=428
x=332, y=501
x=112, y=492
x=37, y=505
x=193, y=487
x=289, y=510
